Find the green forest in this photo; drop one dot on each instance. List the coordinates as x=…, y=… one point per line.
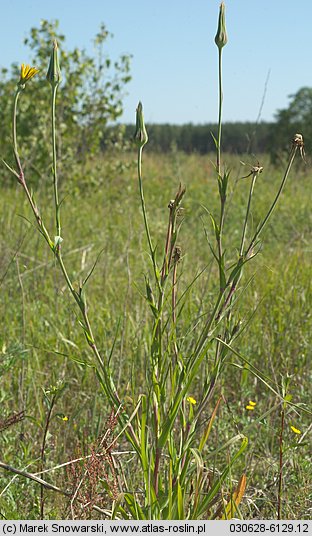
x=237, y=138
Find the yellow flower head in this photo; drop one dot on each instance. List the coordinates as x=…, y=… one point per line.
x=251, y=405
x=65, y=418
x=191, y=400
x=295, y=430
x=27, y=73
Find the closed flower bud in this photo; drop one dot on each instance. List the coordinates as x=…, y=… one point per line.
x=140, y=136
x=221, y=36
x=54, y=76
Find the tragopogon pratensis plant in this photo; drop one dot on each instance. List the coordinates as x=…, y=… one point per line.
x=169, y=426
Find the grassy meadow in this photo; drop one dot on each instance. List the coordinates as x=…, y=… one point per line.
x=43, y=346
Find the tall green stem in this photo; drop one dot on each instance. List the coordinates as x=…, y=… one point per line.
x=55, y=177
x=218, y=168
x=17, y=94
x=253, y=181
x=147, y=231
x=57, y=250
x=20, y=173
x=42, y=451
x=280, y=474
x=205, y=332
x=220, y=114
x=267, y=217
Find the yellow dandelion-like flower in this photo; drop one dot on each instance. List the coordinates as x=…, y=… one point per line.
x=27, y=73
x=295, y=430
x=191, y=400
x=65, y=418
x=251, y=405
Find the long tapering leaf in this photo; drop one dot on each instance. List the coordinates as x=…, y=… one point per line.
x=206, y=434
x=204, y=505
x=236, y=498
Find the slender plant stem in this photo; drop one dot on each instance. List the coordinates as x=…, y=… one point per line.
x=163, y=280
x=165, y=267
x=14, y=136
x=55, y=177
x=147, y=231
x=218, y=169
x=20, y=173
x=253, y=181
x=267, y=217
x=205, y=331
x=157, y=332
x=176, y=260
x=280, y=476
x=57, y=248
x=220, y=114
x=219, y=242
x=33, y=477
x=43, y=445
x=156, y=471
x=261, y=226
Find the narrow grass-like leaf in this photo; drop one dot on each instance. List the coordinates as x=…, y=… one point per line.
x=92, y=269
x=206, y=434
x=204, y=505
x=236, y=498
x=134, y=507
x=180, y=501
x=9, y=168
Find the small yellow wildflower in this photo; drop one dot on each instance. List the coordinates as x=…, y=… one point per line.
x=191, y=400
x=27, y=73
x=251, y=405
x=295, y=430
x=65, y=418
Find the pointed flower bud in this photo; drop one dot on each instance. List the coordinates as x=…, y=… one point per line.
x=140, y=136
x=54, y=76
x=221, y=36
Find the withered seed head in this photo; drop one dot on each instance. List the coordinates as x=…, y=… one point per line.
x=298, y=140
x=177, y=254
x=298, y=143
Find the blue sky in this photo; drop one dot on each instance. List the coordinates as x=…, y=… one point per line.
x=174, y=65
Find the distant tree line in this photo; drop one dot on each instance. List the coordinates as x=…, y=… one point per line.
x=239, y=138
x=236, y=137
